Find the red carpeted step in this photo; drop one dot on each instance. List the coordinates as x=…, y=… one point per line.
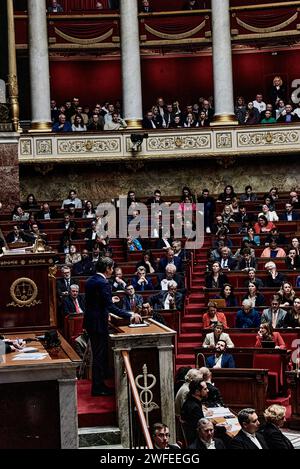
x=94, y=411
x=190, y=328
x=190, y=336
x=185, y=360
x=188, y=347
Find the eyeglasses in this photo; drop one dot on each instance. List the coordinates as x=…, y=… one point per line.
x=162, y=435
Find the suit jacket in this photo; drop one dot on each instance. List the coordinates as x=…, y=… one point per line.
x=61, y=286
x=243, y=264
x=198, y=444
x=231, y=263
x=214, y=397
x=99, y=304
x=191, y=412
x=53, y=214
x=209, y=340
x=241, y=441
x=177, y=278
x=143, y=286
x=138, y=302
x=69, y=306
x=164, y=262
x=59, y=9
x=283, y=216
x=267, y=317
x=274, y=438
x=158, y=301
x=226, y=362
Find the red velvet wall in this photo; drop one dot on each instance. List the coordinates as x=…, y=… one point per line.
x=91, y=81
x=183, y=78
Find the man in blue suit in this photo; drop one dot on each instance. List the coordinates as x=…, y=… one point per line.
x=170, y=259
x=220, y=359
x=99, y=304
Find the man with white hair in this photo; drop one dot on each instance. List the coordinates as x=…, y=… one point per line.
x=183, y=391
x=247, y=317
x=205, y=436
x=170, y=274
x=214, y=398
x=170, y=299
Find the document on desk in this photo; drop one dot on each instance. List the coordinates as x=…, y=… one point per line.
x=220, y=412
x=30, y=356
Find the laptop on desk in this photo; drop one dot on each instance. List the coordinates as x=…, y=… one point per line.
x=267, y=344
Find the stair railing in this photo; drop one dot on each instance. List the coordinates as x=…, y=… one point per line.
x=136, y=399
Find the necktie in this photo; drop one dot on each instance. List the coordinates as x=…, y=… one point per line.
x=274, y=320
x=132, y=304
x=68, y=283
x=77, y=307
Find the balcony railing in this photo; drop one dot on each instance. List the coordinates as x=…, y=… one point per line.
x=218, y=142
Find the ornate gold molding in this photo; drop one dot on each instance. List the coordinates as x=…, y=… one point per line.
x=134, y=124
x=271, y=29
x=41, y=127
x=76, y=40
x=224, y=119
x=176, y=35
x=24, y=292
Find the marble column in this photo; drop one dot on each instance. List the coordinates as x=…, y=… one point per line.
x=39, y=66
x=13, y=89
x=68, y=413
x=131, y=65
x=222, y=64
x=166, y=388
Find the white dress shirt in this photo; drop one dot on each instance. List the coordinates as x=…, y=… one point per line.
x=253, y=438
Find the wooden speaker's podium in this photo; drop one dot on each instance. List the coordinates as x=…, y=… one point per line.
x=38, y=401
x=151, y=356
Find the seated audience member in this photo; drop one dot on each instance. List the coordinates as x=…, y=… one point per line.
x=220, y=359
x=227, y=195
x=227, y=215
x=31, y=203
x=270, y=215
x=170, y=274
x=17, y=235
x=292, y=317
x=191, y=5
x=78, y=124
x=248, y=195
x=240, y=110
x=147, y=261
x=266, y=334
x=205, y=438
x=212, y=317
x=117, y=123
x=140, y=281
x=170, y=299
x=192, y=410
x=259, y=104
x=294, y=197
x=203, y=120
x=268, y=118
x=145, y=7
x=273, y=250
x=133, y=244
x=274, y=233
x=227, y=262
x=96, y=124
x=19, y=214
x=74, y=302
x=254, y=296
x=274, y=279
x=183, y=391
x=99, y=6
x=118, y=283
x=46, y=212
x=62, y=125
x=55, y=7
x=296, y=245
x=88, y=210
x=252, y=114
x=160, y=436
x=147, y=311
x=214, y=398
x=219, y=226
x=247, y=261
x=286, y=295
x=72, y=199
x=212, y=338
x=63, y=284
x=155, y=198
x=252, y=238
x=263, y=225
x=274, y=315
x=275, y=419
x=289, y=214
x=179, y=252
x=170, y=259
x=73, y=256
x=228, y=295
x=85, y=265
x=292, y=259
x=287, y=116
x=239, y=252
x=216, y=278
x=247, y=317
x=252, y=278
x=248, y=437
x=132, y=301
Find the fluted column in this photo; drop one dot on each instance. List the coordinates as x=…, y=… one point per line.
x=222, y=64
x=13, y=89
x=39, y=66
x=131, y=65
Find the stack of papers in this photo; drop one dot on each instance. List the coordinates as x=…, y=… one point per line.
x=30, y=356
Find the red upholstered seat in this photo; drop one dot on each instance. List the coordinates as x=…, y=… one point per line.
x=273, y=363
x=243, y=340
x=73, y=326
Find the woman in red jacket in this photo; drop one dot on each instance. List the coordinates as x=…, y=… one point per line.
x=266, y=334
x=212, y=317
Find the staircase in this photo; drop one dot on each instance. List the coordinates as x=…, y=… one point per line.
x=191, y=324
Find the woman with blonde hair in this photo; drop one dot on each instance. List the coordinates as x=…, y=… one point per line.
x=278, y=91
x=287, y=294
x=275, y=419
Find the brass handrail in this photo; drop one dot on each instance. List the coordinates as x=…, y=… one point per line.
x=136, y=398
x=264, y=6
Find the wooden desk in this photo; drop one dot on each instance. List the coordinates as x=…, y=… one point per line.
x=294, y=382
x=38, y=402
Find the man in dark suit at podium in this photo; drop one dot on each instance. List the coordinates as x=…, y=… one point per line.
x=99, y=304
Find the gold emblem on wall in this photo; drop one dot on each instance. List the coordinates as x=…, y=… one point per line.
x=24, y=292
